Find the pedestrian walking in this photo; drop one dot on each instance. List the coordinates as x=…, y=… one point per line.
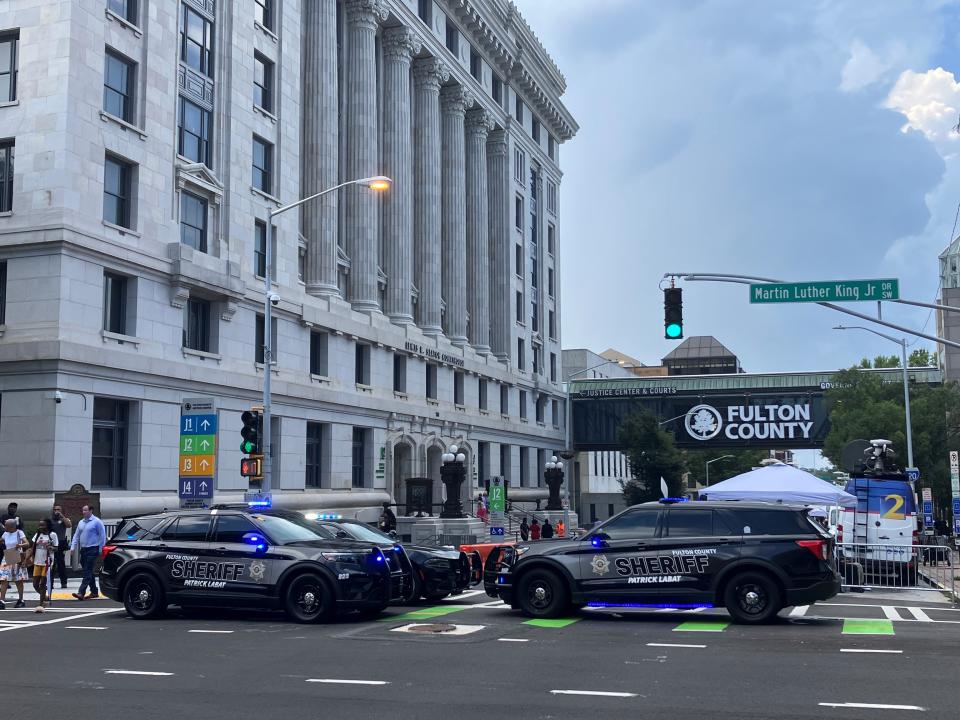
x=12, y=569
x=45, y=543
x=60, y=525
x=524, y=530
x=561, y=529
x=535, y=530
x=12, y=513
x=89, y=538
x=547, y=531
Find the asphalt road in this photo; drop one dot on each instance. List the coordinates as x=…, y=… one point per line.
x=90, y=661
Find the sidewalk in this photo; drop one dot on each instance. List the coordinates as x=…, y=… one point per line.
x=30, y=595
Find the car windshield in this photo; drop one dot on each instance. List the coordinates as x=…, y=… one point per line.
x=287, y=529
x=359, y=531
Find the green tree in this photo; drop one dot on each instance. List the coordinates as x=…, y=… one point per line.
x=921, y=357
x=886, y=361
x=862, y=406
x=652, y=454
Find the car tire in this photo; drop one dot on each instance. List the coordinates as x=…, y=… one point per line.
x=308, y=599
x=752, y=598
x=543, y=594
x=143, y=597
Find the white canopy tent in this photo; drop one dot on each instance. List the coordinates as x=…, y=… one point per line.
x=779, y=483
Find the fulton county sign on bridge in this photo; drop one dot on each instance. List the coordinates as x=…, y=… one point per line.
x=826, y=291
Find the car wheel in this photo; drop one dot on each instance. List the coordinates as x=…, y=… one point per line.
x=752, y=598
x=143, y=597
x=308, y=599
x=543, y=594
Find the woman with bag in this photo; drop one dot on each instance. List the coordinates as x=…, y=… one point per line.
x=12, y=568
x=45, y=544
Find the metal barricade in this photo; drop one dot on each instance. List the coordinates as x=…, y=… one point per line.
x=913, y=567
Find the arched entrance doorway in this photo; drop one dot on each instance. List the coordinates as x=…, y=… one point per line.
x=434, y=461
x=402, y=469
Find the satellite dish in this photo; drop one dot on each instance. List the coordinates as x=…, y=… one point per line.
x=853, y=455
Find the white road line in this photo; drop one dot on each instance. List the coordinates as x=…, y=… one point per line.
x=919, y=614
x=861, y=650
x=332, y=681
x=873, y=706
x=468, y=593
x=824, y=604
x=86, y=627
x=891, y=613
x=695, y=610
x=799, y=611
x=512, y=640
x=82, y=615
x=212, y=632
x=593, y=693
x=137, y=672
x=679, y=645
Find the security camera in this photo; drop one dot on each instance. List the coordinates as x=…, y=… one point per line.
x=57, y=397
x=274, y=299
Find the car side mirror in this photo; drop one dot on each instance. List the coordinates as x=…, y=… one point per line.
x=256, y=541
x=393, y=535
x=342, y=535
x=599, y=539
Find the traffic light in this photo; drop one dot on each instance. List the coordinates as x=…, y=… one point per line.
x=251, y=467
x=252, y=432
x=673, y=313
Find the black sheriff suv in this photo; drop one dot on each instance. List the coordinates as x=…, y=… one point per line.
x=235, y=556
x=752, y=558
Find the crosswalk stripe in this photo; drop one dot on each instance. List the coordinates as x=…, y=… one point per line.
x=891, y=613
x=919, y=614
x=799, y=611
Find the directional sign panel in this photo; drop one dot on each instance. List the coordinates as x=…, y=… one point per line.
x=198, y=449
x=826, y=291
x=913, y=474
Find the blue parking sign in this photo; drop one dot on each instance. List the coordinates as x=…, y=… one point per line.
x=956, y=506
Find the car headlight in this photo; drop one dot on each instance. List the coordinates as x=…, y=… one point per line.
x=347, y=558
x=437, y=564
x=520, y=550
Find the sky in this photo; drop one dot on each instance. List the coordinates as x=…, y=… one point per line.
x=794, y=140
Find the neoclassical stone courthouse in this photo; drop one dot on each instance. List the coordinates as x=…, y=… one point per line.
x=142, y=144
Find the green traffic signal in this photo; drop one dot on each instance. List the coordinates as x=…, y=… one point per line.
x=674, y=331
x=247, y=447
x=673, y=313
x=252, y=432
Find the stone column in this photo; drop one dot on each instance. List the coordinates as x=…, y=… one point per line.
x=320, y=169
x=363, y=18
x=399, y=47
x=498, y=211
x=427, y=177
x=454, y=102
x=478, y=127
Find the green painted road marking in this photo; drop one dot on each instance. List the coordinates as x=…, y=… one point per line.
x=555, y=623
x=702, y=626
x=868, y=627
x=425, y=613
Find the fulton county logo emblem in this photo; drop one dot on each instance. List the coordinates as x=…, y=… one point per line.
x=257, y=569
x=600, y=565
x=703, y=422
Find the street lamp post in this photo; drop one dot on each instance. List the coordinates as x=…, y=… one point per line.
x=378, y=183
x=706, y=465
x=902, y=342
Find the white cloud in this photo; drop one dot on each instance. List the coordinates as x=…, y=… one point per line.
x=863, y=68
x=931, y=103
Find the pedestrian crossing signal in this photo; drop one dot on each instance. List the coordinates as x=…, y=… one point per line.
x=673, y=313
x=252, y=467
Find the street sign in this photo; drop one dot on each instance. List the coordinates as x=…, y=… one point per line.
x=497, y=532
x=956, y=506
x=913, y=474
x=927, y=494
x=826, y=291
x=198, y=449
x=954, y=461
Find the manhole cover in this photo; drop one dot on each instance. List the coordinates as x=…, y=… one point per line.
x=432, y=628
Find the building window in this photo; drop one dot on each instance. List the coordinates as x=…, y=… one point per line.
x=359, y=473
x=117, y=191
x=518, y=260
x=262, y=82
x=196, y=325
x=524, y=467
x=523, y=404
x=497, y=90
x=551, y=197
x=193, y=221
x=114, y=303
x=476, y=65
x=6, y=176
x=551, y=239
x=127, y=9
x=535, y=130
x=314, y=460
x=431, y=381
x=399, y=373
x=553, y=367
x=318, y=353
x=8, y=66
x=195, y=130
x=118, y=84
x=3, y=292
x=260, y=250
x=537, y=366
x=262, y=165
x=260, y=340
x=108, y=462
x=362, y=364
x=519, y=165
x=550, y=281
x=263, y=15
x=425, y=10
x=518, y=109
x=551, y=147
x=453, y=38
x=196, y=41
x=505, y=463
x=518, y=213
x=521, y=359
x=552, y=324
x=519, y=304
x=534, y=323
x=482, y=393
x=541, y=407
x=504, y=399
x=458, y=388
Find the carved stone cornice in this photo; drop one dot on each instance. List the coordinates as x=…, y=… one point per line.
x=430, y=72
x=479, y=123
x=456, y=99
x=400, y=43
x=366, y=14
